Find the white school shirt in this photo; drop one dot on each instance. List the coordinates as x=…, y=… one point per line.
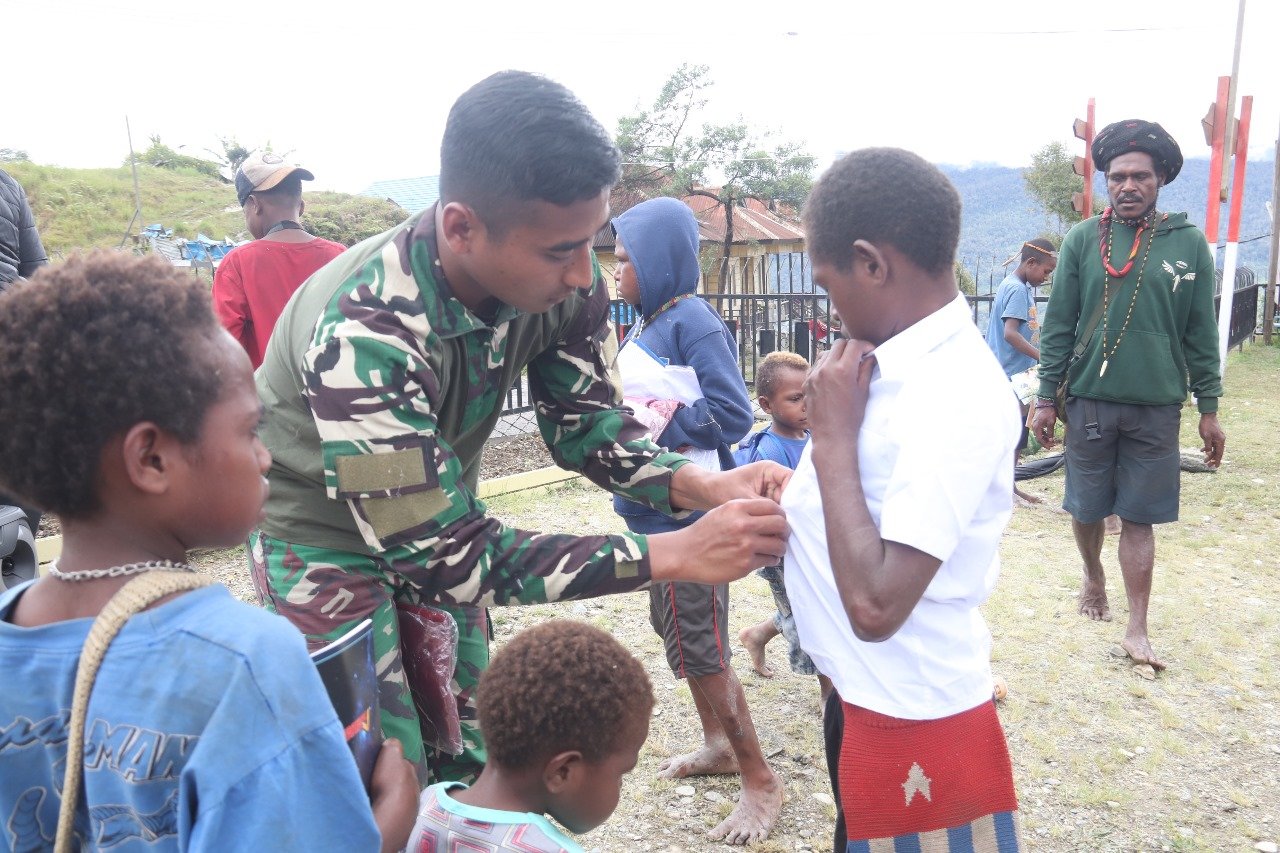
x=936, y=455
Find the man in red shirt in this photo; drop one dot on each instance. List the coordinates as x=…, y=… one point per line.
x=255, y=280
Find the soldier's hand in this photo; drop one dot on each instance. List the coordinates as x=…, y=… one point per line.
x=763, y=479
x=394, y=795
x=695, y=488
x=725, y=544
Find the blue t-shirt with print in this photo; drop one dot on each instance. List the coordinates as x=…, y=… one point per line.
x=208, y=728
x=1015, y=300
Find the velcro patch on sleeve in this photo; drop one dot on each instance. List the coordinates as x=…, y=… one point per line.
x=391, y=516
x=389, y=474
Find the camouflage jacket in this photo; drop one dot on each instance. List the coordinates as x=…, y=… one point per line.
x=380, y=389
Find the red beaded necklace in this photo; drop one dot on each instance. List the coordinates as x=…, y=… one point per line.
x=1104, y=243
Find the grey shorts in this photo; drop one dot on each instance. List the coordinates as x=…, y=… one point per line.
x=1131, y=470
x=693, y=621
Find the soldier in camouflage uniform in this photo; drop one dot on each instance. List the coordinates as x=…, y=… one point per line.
x=386, y=374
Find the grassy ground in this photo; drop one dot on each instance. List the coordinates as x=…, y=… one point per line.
x=1104, y=760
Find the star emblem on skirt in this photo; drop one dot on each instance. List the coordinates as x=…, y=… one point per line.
x=917, y=783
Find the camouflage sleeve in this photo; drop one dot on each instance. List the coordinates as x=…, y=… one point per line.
x=374, y=398
x=578, y=399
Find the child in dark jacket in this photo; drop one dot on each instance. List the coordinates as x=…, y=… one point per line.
x=657, y=251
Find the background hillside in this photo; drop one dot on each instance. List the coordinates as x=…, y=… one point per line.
x=999, y=213
x=87, y=208
x=82, y=208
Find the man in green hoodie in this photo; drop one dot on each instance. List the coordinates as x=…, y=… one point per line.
x=1151, y=275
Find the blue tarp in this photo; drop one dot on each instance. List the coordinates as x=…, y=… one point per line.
x=204, y=249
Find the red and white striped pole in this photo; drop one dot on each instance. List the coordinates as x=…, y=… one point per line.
x=1233, y=231
x=1216, y=131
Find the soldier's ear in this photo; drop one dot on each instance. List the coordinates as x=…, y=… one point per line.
x=459, y=227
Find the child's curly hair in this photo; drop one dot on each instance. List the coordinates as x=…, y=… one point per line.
x=558, y=686
x=88, y=348
x=774, y=363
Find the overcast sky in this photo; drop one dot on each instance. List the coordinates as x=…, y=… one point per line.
x=359, y=91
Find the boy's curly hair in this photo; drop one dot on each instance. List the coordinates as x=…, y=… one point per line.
x=88, y=348
x=768, y=371
x=558, y=686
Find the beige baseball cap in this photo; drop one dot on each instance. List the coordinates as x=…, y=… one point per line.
x=263, y=170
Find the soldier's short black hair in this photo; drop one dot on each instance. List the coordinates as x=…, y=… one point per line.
x=559, y=686
x=88, y=348
x=771, y=368
x=516, y=136
x=884, y=196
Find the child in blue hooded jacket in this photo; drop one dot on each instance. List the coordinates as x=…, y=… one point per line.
x=657, y=272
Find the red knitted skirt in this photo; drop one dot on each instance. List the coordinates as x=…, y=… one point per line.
x=928, y=785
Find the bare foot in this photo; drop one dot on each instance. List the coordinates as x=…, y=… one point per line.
x=1092, y=602
x=1140, y=651
x=1027, y=497
x=708, y=761
x=754, y=815
x=754, y=639
x=1113, y=525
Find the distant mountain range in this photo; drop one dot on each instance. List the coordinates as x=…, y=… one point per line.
x=999, y=213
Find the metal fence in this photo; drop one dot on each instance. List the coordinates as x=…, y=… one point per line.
x=802, y=323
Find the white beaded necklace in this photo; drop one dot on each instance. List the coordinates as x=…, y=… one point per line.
x=119, y=571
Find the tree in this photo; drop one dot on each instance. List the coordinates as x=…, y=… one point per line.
x=663, y=154
x=164, y=157
x=1051, y=181
x=13, y=155
x=964, y=279
x=232, y=155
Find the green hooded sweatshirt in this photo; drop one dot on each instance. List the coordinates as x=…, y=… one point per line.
x=1170, y=333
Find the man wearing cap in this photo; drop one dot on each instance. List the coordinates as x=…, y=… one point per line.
x=255, y=280
x=1149, y=278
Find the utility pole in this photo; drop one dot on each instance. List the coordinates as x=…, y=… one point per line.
x=1269, y=311
x=1229, y=138
x=137, y=196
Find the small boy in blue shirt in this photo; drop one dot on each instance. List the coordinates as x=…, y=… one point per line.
x=780, y=392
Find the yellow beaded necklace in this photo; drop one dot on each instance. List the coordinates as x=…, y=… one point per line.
x=1107, y=271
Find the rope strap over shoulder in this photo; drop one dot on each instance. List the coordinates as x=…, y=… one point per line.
x=132, y=598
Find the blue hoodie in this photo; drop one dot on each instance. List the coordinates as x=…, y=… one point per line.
x=661, y=237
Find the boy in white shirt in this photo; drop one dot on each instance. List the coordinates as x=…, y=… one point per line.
x=895, y=536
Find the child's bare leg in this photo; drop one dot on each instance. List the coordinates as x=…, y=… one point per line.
x=730, y=743
x=754, y=638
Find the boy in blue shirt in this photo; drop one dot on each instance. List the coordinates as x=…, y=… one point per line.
x=1014, y=324
x=780, y=392
x=133, y=416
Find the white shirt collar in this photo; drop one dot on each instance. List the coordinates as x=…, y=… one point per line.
x=895, y=356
